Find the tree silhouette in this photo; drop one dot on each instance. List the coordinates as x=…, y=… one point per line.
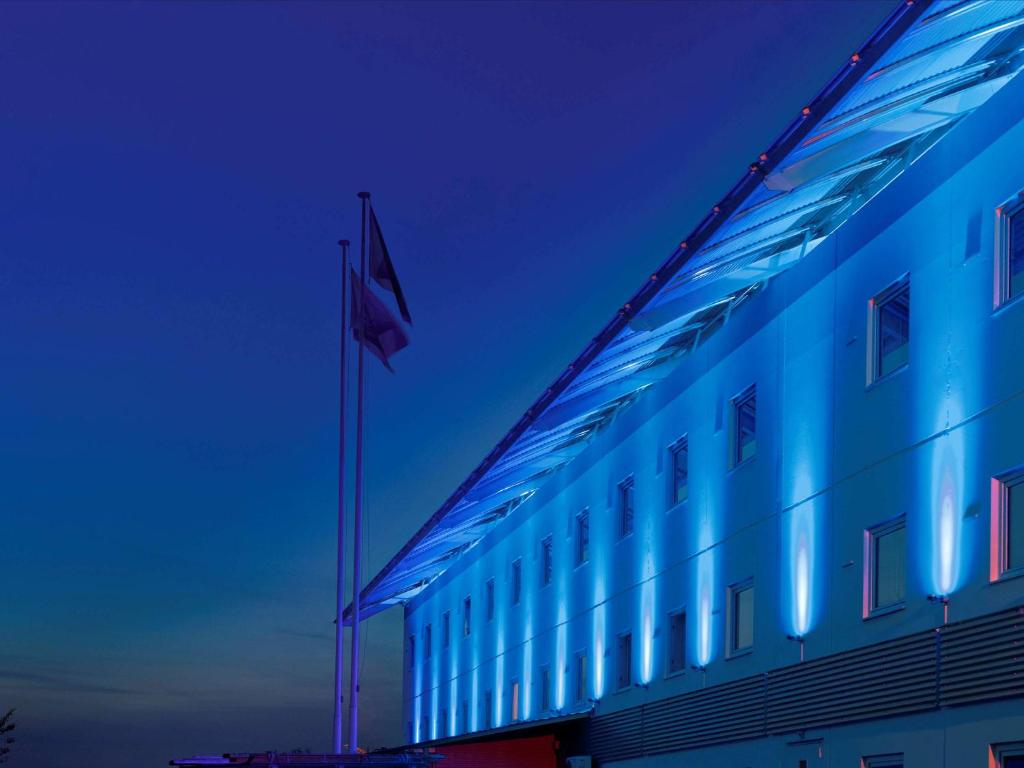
x=6, y=726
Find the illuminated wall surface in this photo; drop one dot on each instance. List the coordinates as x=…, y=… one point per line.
x=835, y=456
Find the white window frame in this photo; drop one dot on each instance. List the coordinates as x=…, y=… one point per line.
x=871, y=535
x=580, y=677
x=735, y=459
x=544, y=700
x=618, y=661
x=547, y=560
x=680, y=611
x=517, y=580
x=626, y=489
x=1000, y=569
x=874, y=373
x=999, y=753
x=1003, y=241
x=731, y=651
x=581, y=554
x=682, y=444
x=515, y=701
x=882, y=761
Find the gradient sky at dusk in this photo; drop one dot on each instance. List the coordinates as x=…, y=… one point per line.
x=175, y=177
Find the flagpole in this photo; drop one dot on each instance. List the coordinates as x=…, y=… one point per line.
x=357, y=525
x=339, y=630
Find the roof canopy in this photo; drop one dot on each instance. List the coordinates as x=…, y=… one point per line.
x=927, y=67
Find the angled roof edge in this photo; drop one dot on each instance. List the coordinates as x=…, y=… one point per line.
x=766, y=175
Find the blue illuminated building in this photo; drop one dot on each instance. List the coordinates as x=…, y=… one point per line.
x=773, y=515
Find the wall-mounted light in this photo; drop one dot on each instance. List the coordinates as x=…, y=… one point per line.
x=944, y=600
x=798, y=639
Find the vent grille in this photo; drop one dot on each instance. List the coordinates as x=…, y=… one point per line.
x=982, y=659
x=891, y=678
x=970, y=661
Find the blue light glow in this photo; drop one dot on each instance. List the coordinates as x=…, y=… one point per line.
x=802, y=570
x=647, y=621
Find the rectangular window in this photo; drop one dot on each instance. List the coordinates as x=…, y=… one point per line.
x=517, y=580
x=427, y=632
x=467, y=606
x=679, y=490
x=624, y=668
x=885, y=566
x=488, y=709
x=1010, y=250
x=1009, y=526
x=515, y=700
x=890, y=332
x=446, y=628
x=744, y=418
x=580, y=681
x=882, y=761
x=444, y=723
x=546, y=560
x=1007, y=755
x=412, y=651
x=582, y=537
x=545, y=688
x=489, y=601
x=676, y=661
x=424, y=728
x=741, y=618
x=465, y=715
x=626, y=507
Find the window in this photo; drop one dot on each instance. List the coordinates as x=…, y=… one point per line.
x=744, y=438
x=624, y=668
x=885, y=570
x=424, y=728
x=465, y=715
x=626, y=507
x=444, y=723
x=446, y=628
x=582, y=537
x=1007, y=755
x=489, y=590
x=515, y=700
x=1008, y=526
x=741, y=618
x=679, y=489
x=882, y=761
x=412, y=651
x=488, y=709
x=467, y=607
x=546, y=560
x=517, y=580
x=676, y=661
x=545, y=688
x=580, y=682
x=426, y=641
x=1010, y=251
x=890, y=331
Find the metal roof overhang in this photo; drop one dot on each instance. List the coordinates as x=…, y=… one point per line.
x=928, y=66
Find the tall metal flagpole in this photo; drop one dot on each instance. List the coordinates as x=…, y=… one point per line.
x=357, y=524
x=339, y=630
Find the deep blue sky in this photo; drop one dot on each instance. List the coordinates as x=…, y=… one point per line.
x=174, y=177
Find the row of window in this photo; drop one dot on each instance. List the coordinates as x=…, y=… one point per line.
x=885, y=576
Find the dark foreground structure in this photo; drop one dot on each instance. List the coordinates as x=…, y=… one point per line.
x=773, y=515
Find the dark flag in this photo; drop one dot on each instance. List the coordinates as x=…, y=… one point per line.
x=383, y=334
x=381, y=268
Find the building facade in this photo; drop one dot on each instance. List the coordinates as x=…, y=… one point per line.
x=801, y=543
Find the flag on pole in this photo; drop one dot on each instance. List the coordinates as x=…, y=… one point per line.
x=373, y=325
x=381, y=268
